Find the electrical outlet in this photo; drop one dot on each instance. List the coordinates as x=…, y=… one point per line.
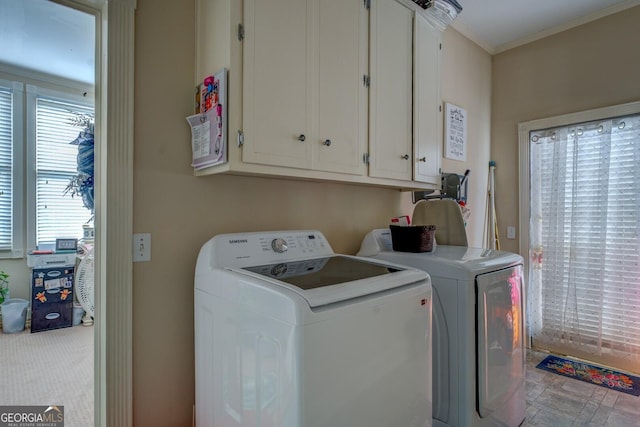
x=511, y=232
x=141, y=247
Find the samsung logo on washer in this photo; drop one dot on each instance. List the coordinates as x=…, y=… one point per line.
x=234, y=241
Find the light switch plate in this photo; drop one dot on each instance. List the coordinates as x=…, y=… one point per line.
x=511, y=232
x=141, y=247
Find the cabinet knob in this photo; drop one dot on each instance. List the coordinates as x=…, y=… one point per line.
x=406, y=157
x=301, y=137
x=422, y=159
x=327, y=142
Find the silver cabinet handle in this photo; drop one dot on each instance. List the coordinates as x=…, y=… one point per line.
x=327, y=142
x=422, y=159
x=406, y=157
x=301, y=137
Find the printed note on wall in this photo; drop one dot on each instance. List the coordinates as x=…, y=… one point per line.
x=455, y=132
x=209, y=125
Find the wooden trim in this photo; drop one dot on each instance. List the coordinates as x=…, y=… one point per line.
x=115, y=267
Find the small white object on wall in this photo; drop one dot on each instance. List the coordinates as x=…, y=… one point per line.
x=455, y=132
x=141, y=247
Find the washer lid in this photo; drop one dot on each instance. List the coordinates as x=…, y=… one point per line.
x=327, y=280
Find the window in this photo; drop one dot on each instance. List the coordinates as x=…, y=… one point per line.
x=11, y=167
x=57, y=214
x=6, y=168
x=35, y=136
x=584, y=239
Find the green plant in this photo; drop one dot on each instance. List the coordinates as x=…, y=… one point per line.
x=4, y=286
x=81, y=184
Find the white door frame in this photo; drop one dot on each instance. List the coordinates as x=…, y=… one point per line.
x=114, y=207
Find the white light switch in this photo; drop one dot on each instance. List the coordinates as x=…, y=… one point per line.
x=511, y=232
x=141, y=247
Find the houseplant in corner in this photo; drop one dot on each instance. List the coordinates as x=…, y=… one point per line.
x=4, y=286
x=81, y=184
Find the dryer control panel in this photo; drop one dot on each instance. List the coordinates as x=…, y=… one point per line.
x=247, y=249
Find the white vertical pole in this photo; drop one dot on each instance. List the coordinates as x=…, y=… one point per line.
x=492, y=220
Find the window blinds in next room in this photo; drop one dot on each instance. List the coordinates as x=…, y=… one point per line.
x=584, y=279
x=6, y=169
x=37, y=162
x=56, y=164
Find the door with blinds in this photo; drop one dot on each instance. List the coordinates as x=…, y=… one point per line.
x=584, y=241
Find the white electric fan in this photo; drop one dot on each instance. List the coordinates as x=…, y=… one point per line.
x=84, y=287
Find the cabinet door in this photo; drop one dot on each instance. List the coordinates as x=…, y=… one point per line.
x=390, y=138
x=276, y=113
x=427, y=119
x=341, y=95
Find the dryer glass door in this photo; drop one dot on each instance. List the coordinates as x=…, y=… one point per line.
x=501, y=357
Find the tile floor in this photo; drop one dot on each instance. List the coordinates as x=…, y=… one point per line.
x=557, y=401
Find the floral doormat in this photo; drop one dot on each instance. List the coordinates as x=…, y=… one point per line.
x=604, y=377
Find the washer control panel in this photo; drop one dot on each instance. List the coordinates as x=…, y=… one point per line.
x=294, y=244
x=244, y=249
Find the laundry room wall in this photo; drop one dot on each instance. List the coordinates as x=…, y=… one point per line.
x=590, y=66
x=466, y=82
x=182, y=211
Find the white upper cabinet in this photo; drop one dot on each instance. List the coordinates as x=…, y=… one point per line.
x=427, y=106
x=332, y=90
x=342, y=50
x=405, y=107
x=304, y=101
x=390, y=119
x=276, y=81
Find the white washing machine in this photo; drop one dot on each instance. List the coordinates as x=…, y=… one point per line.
x=478, y=341
x=289, y=334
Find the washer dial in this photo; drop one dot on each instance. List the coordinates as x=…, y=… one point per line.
x=279, y=245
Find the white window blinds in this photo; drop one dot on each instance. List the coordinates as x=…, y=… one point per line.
x=57, y=215
x=6, y=169
x=585, y=241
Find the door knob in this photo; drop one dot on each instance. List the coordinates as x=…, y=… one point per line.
x=301, y=137
x=406, y=157
x=422, y=159
x=327, y=142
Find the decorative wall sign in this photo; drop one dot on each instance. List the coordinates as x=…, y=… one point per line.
x=455, y=132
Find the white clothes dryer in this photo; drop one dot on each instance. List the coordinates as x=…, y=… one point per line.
x=290, y=334
x=478, y=342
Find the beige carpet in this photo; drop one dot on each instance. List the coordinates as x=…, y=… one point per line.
x=50, y=368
